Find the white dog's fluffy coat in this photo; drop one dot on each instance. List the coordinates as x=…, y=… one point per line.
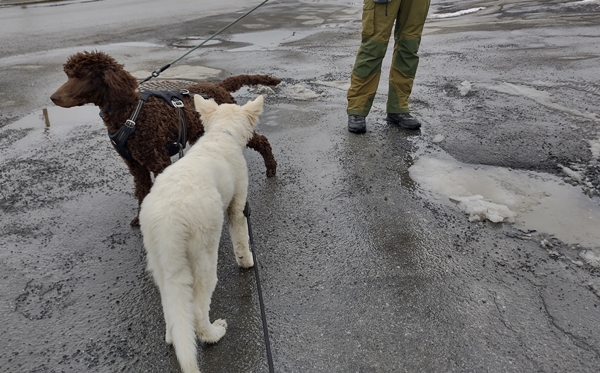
x=181, y=221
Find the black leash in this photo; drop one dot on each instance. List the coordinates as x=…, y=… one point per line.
x=157, y=72
x=259, y=290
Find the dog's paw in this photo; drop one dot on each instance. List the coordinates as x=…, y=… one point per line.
x=135, y=222
x=215, y=332
x=245, y=261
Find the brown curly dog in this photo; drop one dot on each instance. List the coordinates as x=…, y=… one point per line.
x=96, y=78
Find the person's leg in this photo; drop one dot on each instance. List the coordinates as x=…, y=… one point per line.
x=407, y=34
x=378, y=21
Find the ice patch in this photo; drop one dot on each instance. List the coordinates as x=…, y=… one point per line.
x=532, y=200
x=538, y=96
x=455, y=14
x=438, y=138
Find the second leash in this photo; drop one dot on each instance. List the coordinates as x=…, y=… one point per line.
x=259, y=291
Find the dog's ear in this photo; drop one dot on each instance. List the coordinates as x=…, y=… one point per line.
x=253, y=109
x=204, y=107
x=121, y=85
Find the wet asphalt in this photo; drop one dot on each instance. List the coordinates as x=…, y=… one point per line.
x=361, y=271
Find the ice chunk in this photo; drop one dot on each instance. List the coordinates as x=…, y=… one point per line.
x=480, y=209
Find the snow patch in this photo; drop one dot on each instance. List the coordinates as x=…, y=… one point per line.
x=300, y=92
x=480, y=209
x=464, y=88
x=582, y=2
x=591, y=257
x=572, y=174
x=455, y=14
x=595, y=148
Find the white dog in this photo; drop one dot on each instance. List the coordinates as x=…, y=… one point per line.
x=182, y=217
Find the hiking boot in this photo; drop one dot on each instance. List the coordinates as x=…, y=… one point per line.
x=404, y=120
x=357, y=124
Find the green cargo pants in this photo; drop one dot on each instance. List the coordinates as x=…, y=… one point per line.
x=377, y=21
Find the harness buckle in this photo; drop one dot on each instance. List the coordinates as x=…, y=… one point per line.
x=177, y=102
x=129, y=123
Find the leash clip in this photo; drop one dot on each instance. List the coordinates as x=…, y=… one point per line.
x=129, y=123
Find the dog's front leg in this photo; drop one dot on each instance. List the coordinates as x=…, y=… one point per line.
x=142, y=183
x=261, y=145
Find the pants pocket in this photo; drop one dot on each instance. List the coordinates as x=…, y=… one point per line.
x=368, y=18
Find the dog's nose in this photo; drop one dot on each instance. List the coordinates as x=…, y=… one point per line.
x=55, y=99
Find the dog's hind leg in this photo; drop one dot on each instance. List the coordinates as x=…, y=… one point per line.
x=261, y=145
x=238, y=230
x=178, y=303
x=159, y=279
x=203, y=253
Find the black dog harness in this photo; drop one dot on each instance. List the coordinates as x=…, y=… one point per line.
x=174, y=99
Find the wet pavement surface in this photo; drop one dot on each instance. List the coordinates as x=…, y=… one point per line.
x=364, y=266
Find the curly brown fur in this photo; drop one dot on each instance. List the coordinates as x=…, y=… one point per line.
x=95, y=77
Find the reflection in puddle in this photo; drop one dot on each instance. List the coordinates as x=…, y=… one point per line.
x=268, y=39
x=541, y=202
x=46, y=117
x=56, y=118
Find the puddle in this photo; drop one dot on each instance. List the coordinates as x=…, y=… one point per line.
x=59, y=3
x=57, y=118
x=193, y=41
x=182, y=72
x=134, y=44
x=537, y=201
x=310, y=20
x=267, y=39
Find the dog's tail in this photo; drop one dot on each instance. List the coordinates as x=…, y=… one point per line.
x=234, y=83
x=178, y=305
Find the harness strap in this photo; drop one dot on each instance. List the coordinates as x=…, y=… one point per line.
x=174, y=99
x=119, y=138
